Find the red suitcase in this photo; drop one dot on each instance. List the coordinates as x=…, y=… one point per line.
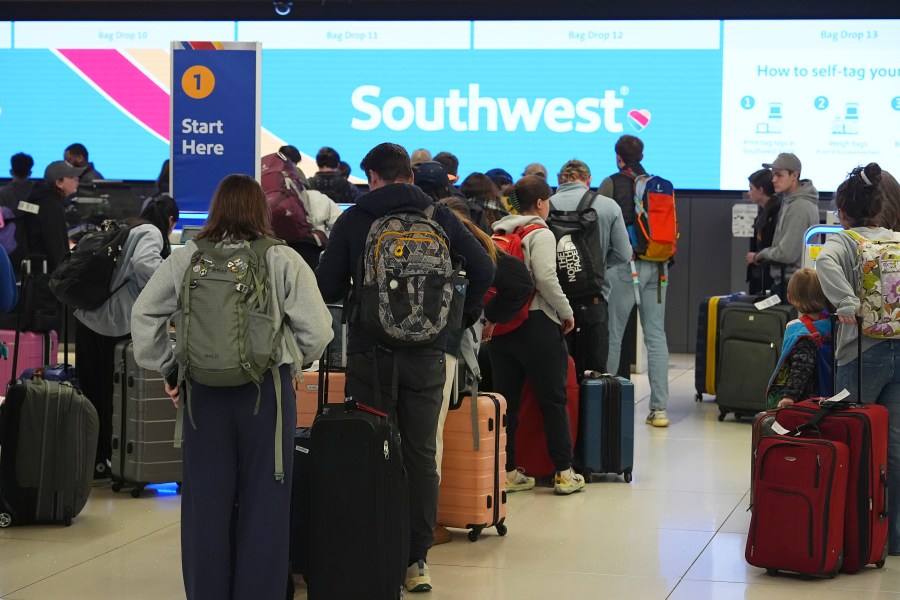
x=798, y=514
x=531, y=443
x=864, y=428
x=35, y=350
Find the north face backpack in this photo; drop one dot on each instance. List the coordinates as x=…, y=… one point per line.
x=408, y=289
x=511, y=243
x=82, y=280
x=879, y=285
x=288, y=201
x=654, y=233
x=224, y=333
x=580, y=261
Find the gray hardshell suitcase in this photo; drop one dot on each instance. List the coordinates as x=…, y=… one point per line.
x=143, y=450
x=749, y=347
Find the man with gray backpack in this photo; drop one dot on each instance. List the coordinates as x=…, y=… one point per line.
x=406, y=256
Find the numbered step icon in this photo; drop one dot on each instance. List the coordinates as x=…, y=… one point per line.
x=748, y=102
x=198, y=82
x=821, y=103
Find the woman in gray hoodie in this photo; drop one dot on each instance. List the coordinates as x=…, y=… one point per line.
x=537, y=348
x=858, y=202
x=99, y=330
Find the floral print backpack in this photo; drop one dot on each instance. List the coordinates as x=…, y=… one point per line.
x=879, y=285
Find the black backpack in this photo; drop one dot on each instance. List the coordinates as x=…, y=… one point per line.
x=580, y=260
x=82, y=280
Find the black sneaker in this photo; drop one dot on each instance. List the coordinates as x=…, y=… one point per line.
x=102, y=473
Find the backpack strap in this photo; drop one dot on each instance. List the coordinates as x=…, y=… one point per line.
x=587, y=201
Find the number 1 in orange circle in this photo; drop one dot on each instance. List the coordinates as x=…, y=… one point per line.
x=198, y=82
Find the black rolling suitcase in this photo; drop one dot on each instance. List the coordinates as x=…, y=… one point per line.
x=749, y=346
x=48, y=433
x=707, y=349
x=359, y=514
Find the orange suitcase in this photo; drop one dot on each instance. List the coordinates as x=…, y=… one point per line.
x=307, y=390
x=473, y=471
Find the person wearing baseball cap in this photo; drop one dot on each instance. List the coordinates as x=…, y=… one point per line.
x=799, y=211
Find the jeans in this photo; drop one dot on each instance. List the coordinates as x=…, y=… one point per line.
x=652, y=311
x=881, y=384
x=421, y=373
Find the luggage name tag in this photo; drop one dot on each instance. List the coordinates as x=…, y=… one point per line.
x=840, y=396
x=779, y=428
x=769, y=302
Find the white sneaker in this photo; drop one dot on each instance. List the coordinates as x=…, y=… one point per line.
x=658, y=418
x=518, y=481
x=568, y=482
x=417, y=577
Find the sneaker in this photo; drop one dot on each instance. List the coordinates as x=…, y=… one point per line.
x=442, y=535
x=518, y=481
x=658, y=418
x=102, y=473
x=567, y=482
x=417, y=577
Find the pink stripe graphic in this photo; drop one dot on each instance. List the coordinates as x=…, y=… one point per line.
x=126, y=84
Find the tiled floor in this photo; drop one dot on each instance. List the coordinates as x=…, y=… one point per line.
x=677, y=531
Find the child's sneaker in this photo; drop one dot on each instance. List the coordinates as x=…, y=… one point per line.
x=417, y=577
x=568, y=482
x=518, y=481
x=658, y=418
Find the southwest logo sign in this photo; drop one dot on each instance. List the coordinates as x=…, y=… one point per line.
x=469, y=110
x=639, y=119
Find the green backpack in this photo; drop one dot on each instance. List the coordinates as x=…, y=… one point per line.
x=225, y=336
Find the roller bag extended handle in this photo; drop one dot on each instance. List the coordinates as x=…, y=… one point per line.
x=27, y=284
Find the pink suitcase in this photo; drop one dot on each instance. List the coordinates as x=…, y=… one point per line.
x=473, y=481
x=36, y=350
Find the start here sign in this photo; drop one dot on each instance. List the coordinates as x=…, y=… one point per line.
x=215, y=119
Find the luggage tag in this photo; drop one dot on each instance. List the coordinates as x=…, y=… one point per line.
x=769, y=302
x=839, y=397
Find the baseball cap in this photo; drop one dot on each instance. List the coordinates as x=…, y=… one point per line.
x=500, y=177
x=431, y=174
x=786, y=161
x=59, y=169
x=450, y=162
x=420, y=156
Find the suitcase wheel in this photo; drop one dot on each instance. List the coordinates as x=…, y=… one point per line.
x=137, y=491
x=738, y=417
x=722, y=414
x=501, y=530
x=627, y=476
x=6, y=520
x=116, y=486
x=698, y=397
x=772, y=572
x=879, y=564
x=475, y=533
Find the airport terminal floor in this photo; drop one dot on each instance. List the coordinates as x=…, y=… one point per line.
x=676, y=532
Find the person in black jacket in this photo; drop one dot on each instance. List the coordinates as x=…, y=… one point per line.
x=418, y=371
x=762, y=193
x=329, y=181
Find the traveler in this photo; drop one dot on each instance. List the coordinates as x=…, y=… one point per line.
x=890, y=202
x=799, y=211
x=451, y=166
x=858, y=201
x=293, y=155
x=18, y=189
x=535, y=169
x=537, y=348
x=651, y=288
x=329, y=181
x=431, y=178
x=99, y=330
x=481, y=193
x=420, y=156
x=589, y=342
x=228, y=430
x=419, y=371
x=762, y=193
x=9, y=293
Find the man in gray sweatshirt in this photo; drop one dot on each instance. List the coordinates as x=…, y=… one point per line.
x=589, y=343
x=799, y=212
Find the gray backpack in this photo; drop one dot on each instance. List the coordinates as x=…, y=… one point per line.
x=225, y=336
x=408, y=291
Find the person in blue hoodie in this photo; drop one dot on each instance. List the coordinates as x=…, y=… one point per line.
x=419, y=371
x=9, y=295
x=804, y=368
x=100, y=329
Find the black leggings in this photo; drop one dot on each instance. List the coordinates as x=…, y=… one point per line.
x=536, y=350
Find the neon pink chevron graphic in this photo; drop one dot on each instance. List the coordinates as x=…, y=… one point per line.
x=131, y=89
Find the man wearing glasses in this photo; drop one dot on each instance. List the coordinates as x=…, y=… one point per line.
x=799, y=212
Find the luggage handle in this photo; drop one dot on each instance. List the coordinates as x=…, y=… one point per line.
x=26, y=279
